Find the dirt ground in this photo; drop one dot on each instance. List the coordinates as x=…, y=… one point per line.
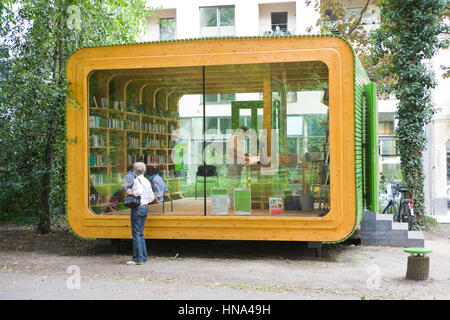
x=34, y=266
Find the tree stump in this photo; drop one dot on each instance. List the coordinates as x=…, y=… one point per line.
x=418, y=267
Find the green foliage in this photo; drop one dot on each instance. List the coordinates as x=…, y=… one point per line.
x=336, y=18
x=37, y=38
x=407, y=37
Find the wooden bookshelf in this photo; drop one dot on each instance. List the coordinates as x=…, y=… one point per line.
x=140, y=136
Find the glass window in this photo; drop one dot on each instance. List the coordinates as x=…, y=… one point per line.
x=167, y=29
x=219, y=97
x=249, y=149
x=388, y=147
x=275, y=159
x=217, y=21
x=279, y=19
x=208, y=17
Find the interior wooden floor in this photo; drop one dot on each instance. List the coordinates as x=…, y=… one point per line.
x=195, y=207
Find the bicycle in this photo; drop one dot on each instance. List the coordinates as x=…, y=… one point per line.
x=406, y=210
x=402, y=212
x=391, y=207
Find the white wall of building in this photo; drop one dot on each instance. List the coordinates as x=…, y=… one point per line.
x=265, y=17
x=252, y=17
x=438, y=134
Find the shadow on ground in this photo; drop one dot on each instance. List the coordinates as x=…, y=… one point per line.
x=65, y=243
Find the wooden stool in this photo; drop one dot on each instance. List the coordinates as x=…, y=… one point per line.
x=418, y=264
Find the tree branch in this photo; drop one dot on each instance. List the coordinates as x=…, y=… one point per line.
x=360, y=17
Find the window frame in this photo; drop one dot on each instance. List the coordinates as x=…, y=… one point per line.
x=161, y=29
x=218, y=21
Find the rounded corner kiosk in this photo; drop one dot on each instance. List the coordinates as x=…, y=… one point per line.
x=256, y=138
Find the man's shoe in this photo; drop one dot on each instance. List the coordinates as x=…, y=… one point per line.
x=131, y=263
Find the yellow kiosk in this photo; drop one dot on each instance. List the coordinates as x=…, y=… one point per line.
x=297, y=173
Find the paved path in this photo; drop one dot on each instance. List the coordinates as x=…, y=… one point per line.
x=38, y=287
x=36, y=267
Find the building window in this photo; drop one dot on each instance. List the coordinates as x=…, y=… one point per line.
x=167, y=29
x=388, y=147
x=280, y=19
x=211, y=98
x=291, y=97
x=217, y=21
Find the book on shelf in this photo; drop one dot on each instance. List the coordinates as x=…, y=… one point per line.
x=104, y=102
x=98, y=179
x=97, y=140
x=94, y=102
x=98, y=160
x=114, y=123
x=133, y=142
x=95, y=121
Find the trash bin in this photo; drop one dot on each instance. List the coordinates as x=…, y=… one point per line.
x=306, y=202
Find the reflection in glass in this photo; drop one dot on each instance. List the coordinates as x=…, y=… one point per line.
x=257, y=144
x=217, y=21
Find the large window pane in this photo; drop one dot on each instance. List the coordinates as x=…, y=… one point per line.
x=226, y=16
x=266, y=152
x=280, y=165
x=152, y=116
x=208, y=17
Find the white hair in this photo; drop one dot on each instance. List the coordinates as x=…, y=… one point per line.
x=139, y=168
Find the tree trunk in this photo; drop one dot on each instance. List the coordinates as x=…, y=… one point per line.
x=44, y=216
x=418, y=267
x=58, y=73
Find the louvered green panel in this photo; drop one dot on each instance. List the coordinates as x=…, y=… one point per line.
x=372, y=174
x=361, y=134
x=361, y=80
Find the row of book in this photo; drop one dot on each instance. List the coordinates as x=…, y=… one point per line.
x=120, y=106
x=98, y=178
x=98, y=160
x=103, y=178
x=116, y=104
x=146, y=126
x=114, y=123
x=151, y=143
x=155, y=159
x=97, y=140
x=133, y=142
x=96, y=121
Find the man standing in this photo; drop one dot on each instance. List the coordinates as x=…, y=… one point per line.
x=141, y=188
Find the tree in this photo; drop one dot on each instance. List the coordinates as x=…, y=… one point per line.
x=40, y=36
x=407, y=37
x=349, y=24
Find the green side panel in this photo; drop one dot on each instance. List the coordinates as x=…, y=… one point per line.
x=372, y=148
x=361, y=80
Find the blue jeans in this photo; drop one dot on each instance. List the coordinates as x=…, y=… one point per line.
x=138, y=216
